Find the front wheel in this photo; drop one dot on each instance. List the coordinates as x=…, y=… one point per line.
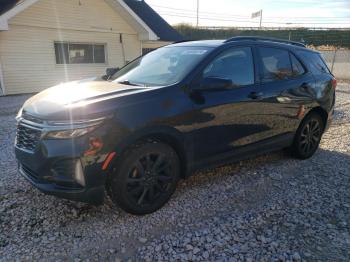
x=146, y=178
x=308, y=136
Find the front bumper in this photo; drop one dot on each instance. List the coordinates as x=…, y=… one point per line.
x=93, y=195
x=61, y=168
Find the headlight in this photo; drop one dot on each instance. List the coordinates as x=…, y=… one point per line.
x=71, y=133
x=72, y=128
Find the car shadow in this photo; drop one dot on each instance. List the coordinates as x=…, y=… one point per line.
x=263, y=164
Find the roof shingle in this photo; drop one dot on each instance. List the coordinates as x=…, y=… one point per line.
x=154, y=21
x=158, y=25
x=6, y=5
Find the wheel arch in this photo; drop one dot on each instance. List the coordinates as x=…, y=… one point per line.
x=295, y=149
x=166, y=135
x=320, y=111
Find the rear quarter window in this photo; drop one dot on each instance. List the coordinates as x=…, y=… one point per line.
x=315, y=62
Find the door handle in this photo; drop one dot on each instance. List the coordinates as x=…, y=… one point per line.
x=256, y=95
x=304, y=85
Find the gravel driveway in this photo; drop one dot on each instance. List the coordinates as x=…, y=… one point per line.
x=271, y=208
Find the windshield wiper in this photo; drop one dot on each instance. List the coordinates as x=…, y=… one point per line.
x=127, y=82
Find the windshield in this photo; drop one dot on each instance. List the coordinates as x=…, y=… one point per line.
x=164, y=66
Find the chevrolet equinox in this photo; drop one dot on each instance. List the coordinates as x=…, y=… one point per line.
x=135, y=132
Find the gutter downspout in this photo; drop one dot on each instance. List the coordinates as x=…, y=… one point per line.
x=2, y=85
x=121, y=41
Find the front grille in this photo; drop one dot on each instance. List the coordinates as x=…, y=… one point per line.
x=27, y=138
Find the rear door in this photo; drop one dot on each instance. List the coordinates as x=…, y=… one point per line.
x=287, y=89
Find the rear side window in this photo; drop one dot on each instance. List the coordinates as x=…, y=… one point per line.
x=276, y=64
x=297, y=67
x=315, y=61
x=235, y=64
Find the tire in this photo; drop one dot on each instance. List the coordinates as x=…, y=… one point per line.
x=145, y=178
x=308, y=136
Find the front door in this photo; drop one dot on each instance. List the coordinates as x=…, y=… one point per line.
x=228, y=119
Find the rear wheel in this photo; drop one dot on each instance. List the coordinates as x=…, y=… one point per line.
x=308, y=136
x=146, y=178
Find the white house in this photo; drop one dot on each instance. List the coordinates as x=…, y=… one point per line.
x=46, y=42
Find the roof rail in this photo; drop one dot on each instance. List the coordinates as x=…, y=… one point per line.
x=258, y=38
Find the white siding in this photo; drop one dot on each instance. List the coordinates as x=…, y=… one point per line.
x=27, y=51
x=95, y=15
x=154, y=44
x=2, y=86
x=132, y=47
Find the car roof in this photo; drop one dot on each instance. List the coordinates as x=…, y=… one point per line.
x=247, y=40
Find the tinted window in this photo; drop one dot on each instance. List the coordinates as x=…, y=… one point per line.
x=298, y=68
x=315, y=61
x=235, y=64
x=276, y=64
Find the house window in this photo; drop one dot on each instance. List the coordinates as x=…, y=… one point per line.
x=71, y=53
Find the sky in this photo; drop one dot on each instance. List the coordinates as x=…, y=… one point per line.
x=277, y=13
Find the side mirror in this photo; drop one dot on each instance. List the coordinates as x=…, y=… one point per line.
x=110, y=72
x=215, y=83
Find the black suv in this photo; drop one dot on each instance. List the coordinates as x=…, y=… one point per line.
x=180, y=108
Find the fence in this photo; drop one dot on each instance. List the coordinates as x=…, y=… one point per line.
x=338, y=61
x=334, y=43
x=310, y=36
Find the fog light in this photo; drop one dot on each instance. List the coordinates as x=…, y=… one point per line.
x=79, y=173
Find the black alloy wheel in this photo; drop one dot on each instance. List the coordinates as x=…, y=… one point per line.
x=146, y=178
x=149, y=178
x=308, y=136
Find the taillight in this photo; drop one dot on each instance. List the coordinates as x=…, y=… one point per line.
x=334, y=83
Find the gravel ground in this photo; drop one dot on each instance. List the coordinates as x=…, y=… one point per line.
x=271, y=208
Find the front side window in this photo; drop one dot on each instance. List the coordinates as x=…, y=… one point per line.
x=276, y=64
x=235, y=64
x=161, y=67
x=69, y=53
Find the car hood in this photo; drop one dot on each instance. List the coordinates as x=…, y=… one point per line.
x=72, y=95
